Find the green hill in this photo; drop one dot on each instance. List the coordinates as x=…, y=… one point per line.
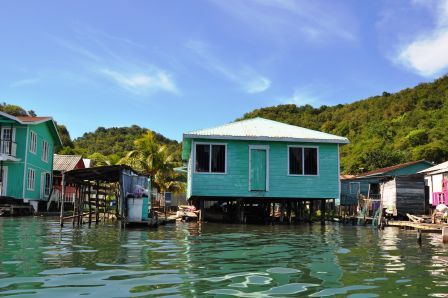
x=383, y=130
x=116, y=141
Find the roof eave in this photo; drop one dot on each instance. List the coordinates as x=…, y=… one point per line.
x=257, y=138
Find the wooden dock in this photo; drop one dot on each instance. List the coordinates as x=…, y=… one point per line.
x=424, y=227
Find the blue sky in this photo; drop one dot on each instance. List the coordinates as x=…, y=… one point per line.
x=174, y=66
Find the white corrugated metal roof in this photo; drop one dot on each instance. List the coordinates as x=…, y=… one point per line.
x=266, y=130
x=65, y=163
x=440, y=168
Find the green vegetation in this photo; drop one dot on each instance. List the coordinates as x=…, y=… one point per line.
x=15, y=110
x=383, y=130
x=146, y=151
x=155, y=160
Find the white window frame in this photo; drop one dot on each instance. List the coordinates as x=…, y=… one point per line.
x=303, y=161
x=210, y=159
x=259, y=147
x=43, y=181
x=5, y=143
x=33, y=142
x=45, y=151
x=31, y=183
x=350, y=188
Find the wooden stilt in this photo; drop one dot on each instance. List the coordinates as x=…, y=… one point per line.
x=311, y=212
x=79, y=194
x=61, y=218
x=90, y=203
x=201, y=210
x=75, y=205
x=419, y=236
x=322, y=211
x=97, y=205
x=445, y=235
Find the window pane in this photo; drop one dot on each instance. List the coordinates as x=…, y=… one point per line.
x=202, y=158
x=295, y=161
x=354, y=188
x=218, y=158
x=310, y=161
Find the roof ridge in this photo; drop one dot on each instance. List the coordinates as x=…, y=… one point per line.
x=266, y=128
x=226, y=124
x=390, y=168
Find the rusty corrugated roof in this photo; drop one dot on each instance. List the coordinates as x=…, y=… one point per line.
x=391, y=168
x=32, y=119
x=65, y=163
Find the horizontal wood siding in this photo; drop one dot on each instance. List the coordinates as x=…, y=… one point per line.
x=14, y=187
x=236, y=182
x=35, y=161
x=410, y=195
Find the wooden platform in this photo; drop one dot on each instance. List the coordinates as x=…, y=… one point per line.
x=16, y=210
x=426, y=227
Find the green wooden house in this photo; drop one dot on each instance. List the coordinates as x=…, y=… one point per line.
x=260, y=158
x=27, y=145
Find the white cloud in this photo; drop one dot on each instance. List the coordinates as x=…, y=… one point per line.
x=142, y=82
x=302, y=96
x=249, y=80
x=258, y=85
x=427, y=55
x=288, y=20
x=100, y=53
x=24, y=82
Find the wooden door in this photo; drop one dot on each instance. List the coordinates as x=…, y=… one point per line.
x=258, y=169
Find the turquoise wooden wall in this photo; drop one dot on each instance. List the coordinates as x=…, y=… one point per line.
x=35, y=160
x=235, y=183
x=18, y=170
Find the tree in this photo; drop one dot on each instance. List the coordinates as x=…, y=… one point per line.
x=13, y=110
x=65, y=136
x=154, y=159
x=99, y=160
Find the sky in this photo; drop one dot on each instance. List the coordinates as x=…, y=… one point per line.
x=175, y=66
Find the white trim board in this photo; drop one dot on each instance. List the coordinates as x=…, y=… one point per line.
x=280, y=139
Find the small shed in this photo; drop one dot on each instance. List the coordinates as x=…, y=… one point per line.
x=367, y=184
x=95, y=186
x=404, y=194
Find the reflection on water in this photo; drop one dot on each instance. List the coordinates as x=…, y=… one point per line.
x=39, y=259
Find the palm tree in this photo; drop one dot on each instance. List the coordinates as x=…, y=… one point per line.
x=153, y=159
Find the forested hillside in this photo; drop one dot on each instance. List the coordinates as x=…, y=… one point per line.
x=104, y=145
x=383, y=130
x=115, y=140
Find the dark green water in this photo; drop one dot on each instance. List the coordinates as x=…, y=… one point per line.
x=188, y=260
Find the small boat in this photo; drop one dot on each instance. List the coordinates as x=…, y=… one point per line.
x=187, y=213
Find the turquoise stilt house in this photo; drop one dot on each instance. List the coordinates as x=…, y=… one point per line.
x=261, y=159
x=27, y=145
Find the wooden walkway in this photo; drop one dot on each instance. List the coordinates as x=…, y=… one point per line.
x=426, y=227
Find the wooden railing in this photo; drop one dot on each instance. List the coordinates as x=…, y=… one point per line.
x=68, y=196
x=8, y=147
